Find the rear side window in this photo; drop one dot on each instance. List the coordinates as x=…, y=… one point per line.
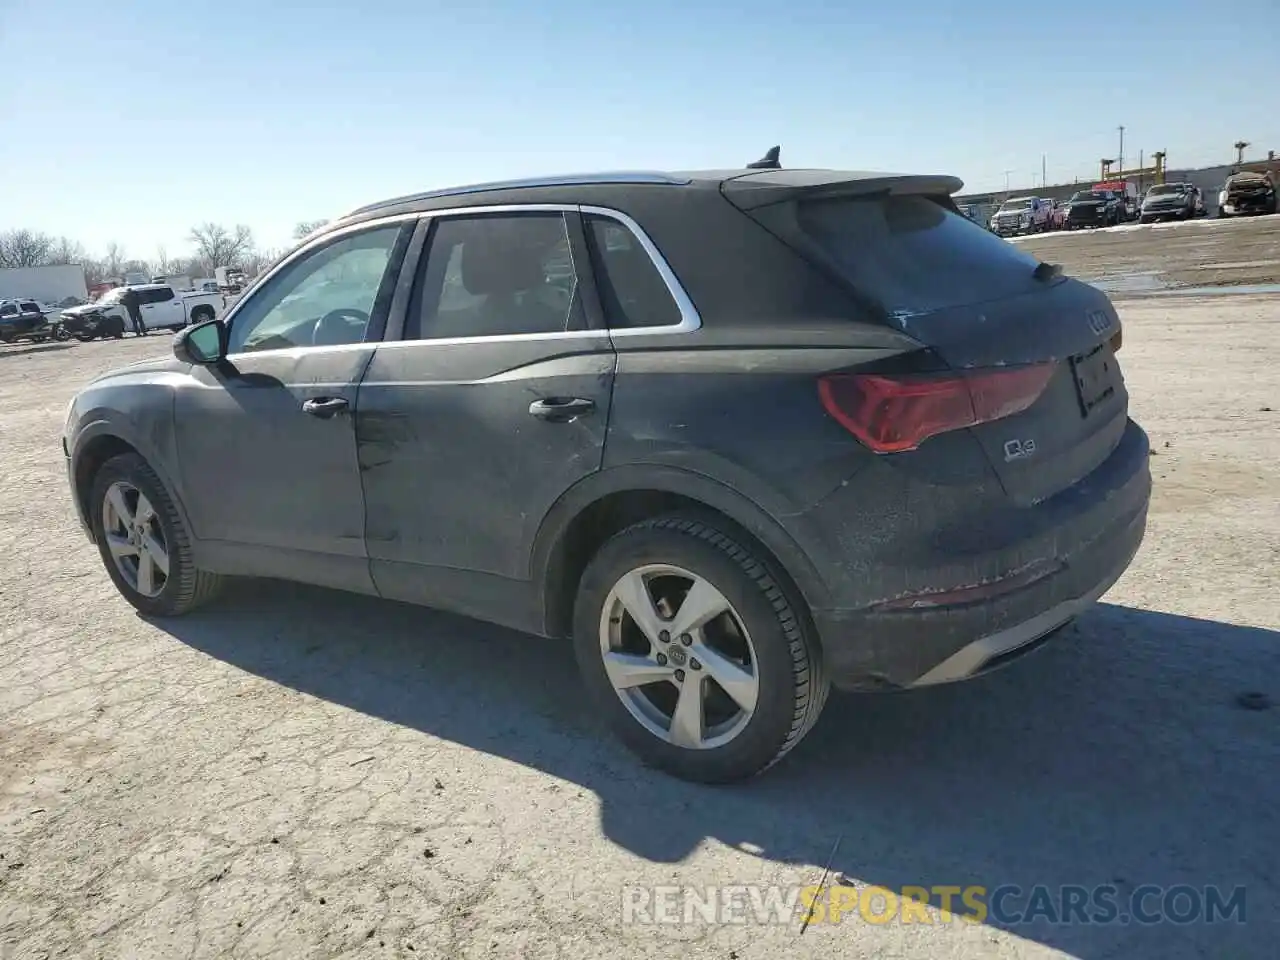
x=632, y=290
x=913, y=255
x=30, y=306
x=493, y=276
x=156, y=296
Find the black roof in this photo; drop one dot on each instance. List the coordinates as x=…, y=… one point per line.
x=748, y=188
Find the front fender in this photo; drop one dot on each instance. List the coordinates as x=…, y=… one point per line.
x=146, y=425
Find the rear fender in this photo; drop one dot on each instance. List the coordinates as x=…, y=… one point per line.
x=716, y=496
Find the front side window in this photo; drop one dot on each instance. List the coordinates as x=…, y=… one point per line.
x=324, y=298
x=632, y=290
x=496, y=275
x=9, y=310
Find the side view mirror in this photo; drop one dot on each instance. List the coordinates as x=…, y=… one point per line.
x=204, y=343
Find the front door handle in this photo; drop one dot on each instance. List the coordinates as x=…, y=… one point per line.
x=324, y=407
x=561, y=409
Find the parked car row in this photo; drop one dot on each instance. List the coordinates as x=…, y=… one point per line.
x=160, y=307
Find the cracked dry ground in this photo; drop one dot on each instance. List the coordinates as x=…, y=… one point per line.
x=299, y=773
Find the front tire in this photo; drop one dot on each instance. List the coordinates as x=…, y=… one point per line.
x=694, y=652
x=143, y=541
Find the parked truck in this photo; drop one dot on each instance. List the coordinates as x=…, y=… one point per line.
x=52, y=285
x=161, y=307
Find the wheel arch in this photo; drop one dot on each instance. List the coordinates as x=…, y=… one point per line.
x=607, y=502
x=99, y=441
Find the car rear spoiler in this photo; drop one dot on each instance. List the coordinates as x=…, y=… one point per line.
x=766, y=187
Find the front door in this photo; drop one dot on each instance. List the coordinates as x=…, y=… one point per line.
x=266, y=441
x=495, y=402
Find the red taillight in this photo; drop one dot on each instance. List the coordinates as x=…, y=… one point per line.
x=894, y=413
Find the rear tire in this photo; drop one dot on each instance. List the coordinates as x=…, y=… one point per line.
x=760, y=645
x=127, y=480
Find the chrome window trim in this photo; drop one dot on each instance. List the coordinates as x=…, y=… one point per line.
x=690, y=320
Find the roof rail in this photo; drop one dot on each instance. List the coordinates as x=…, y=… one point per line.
x=566, y=180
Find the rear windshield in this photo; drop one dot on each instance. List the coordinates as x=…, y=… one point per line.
x=913, y=255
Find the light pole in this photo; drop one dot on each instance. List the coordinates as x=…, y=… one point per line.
x=1121, y=154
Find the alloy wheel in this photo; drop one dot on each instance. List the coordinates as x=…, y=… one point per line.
x=679, y=657
x=135, y=539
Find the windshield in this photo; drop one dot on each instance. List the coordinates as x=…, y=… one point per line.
x=912, y=255
x=1088, y=196
x=1166, y=189
x=1017, y=203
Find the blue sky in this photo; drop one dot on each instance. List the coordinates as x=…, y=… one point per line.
x=133, y=120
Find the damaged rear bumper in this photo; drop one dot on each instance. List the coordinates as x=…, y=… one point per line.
x=879, y=647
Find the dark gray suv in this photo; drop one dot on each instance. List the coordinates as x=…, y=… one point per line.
x=742, y=435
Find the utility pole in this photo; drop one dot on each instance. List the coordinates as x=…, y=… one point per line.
x=1121, y=154
x=1044, y=170
x=1240, y=145
x=1006, y=181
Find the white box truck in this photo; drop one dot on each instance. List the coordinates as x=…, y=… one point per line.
x=49, y=285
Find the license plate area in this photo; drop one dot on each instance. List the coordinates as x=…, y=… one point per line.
x=1094, y=378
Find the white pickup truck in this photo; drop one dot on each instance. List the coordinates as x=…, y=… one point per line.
x=161, y=306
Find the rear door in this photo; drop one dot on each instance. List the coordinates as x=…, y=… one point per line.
x=493, y=404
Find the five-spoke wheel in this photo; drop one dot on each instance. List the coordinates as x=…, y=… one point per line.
x=143, y=539
x=692, y=650
x=135, y=539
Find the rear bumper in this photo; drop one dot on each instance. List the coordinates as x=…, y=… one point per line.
x=871, y=647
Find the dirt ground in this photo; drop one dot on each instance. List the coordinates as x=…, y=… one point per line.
x=298, y=773
x=1134, y=258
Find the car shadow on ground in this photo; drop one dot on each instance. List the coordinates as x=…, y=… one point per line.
x=7, y=351
x=1118, y=755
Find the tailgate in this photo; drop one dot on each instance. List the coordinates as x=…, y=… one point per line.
x=980, y=303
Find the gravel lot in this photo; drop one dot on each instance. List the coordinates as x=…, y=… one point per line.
x=299, y=773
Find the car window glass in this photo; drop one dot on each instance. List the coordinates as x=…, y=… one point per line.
x=30, y=307
x=487, y=276
x=163, y=295
x=632, y=291
x=324, y=298
x=913, y=255
x=8, y=310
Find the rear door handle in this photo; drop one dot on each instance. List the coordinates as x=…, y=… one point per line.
x=324, y=407
x=561, y=409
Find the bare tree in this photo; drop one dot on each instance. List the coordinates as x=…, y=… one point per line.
x=113, y=263
x=260, y=260
x=25, y=248
x=304, y=228
x=65, y=250
x=137, y=266
x=216, y=246
x=164, y=265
